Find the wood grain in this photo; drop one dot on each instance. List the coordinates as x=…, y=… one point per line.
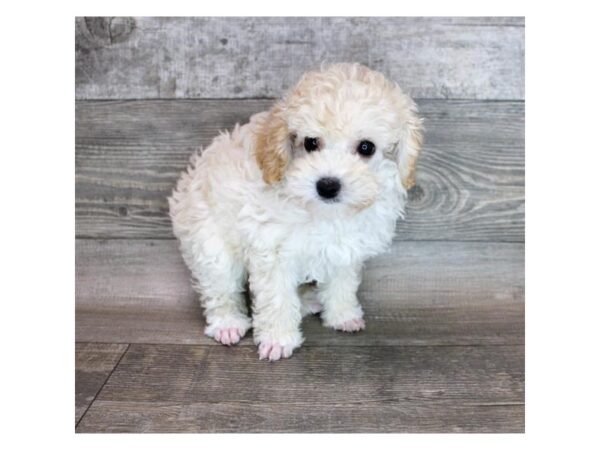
x=421, y=293
x=331, y=389
x=406, y=417
x=434, y=57
x=130, y=154
x=93, y=364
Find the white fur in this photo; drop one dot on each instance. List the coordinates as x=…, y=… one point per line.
x=233, y=226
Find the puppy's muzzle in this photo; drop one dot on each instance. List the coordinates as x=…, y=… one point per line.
x=328, y=187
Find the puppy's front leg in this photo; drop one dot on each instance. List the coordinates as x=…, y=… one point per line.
x=277, y=310
x=341, y=309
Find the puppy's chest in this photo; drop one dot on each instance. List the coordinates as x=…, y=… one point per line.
x=318, y=258
x=317, y=252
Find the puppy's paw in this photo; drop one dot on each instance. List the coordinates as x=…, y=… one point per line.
x=350, y=326
x=348, y=319
x=272, y=351
x=274, y=347
x=314, y=307
x=229, y=336
x=227, y=331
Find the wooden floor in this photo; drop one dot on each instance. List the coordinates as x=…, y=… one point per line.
x=444, y=346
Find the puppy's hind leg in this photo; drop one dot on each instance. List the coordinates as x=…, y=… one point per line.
x=220, y=278
x=310, y=302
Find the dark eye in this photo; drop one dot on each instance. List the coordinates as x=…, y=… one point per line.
x=311, y=144
x=366, y=148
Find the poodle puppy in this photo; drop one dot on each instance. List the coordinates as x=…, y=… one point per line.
x=305, y=192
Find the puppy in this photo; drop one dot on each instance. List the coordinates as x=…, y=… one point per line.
x=304, y=192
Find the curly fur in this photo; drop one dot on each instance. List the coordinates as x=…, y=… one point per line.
x=248, y=209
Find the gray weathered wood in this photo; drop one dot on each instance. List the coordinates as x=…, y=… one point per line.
x=93, y=364
x=421, y=293
x=331, y=389
x=434, y=57
x=407, y=417
x=130, y=153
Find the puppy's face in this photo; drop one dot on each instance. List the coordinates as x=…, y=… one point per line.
x=327, y=142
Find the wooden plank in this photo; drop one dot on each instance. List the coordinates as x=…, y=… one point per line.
x=328, y=389
x=408, y=417
x=93, y=364
x=195, y=57
x=421, y=293
x=423, y=417
x=191, y=373
x=130, y=154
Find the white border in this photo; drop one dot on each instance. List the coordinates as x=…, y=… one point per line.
x=562, y=225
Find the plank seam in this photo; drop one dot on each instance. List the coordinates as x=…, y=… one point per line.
x=413, y=400
x=85, y=237
x=104, y=383
x=170, y=344
x=218, y=99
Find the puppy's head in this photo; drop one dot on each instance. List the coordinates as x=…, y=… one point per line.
x=331, y=136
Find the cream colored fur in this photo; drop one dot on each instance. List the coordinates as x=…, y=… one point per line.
x=247, y=207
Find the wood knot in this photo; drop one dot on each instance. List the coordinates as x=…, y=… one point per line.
x=101, y=32
x=416, y=193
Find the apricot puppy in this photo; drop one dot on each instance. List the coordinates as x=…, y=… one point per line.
x=306, y=191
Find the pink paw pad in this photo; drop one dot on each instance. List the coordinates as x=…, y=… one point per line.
x=352, y=325
x=273, y=352
x=228, y=336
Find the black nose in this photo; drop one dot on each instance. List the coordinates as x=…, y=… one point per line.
x=328, y=187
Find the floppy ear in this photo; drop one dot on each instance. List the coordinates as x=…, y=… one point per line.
x=273, y=146
x=408, y=148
